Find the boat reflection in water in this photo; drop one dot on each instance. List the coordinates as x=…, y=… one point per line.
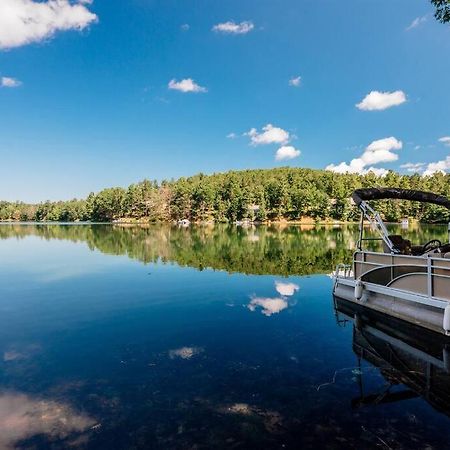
x=405, y=355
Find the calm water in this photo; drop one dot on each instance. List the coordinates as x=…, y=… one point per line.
x=208, y=337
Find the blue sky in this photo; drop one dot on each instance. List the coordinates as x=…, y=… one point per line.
x=86, y=103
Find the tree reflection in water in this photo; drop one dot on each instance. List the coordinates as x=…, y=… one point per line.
x=277, y=250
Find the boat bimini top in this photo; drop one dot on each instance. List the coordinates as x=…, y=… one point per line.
x=394, y=243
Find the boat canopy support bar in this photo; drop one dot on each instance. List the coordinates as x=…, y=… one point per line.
x=375, y=221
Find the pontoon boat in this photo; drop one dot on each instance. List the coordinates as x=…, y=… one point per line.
x=410, y=282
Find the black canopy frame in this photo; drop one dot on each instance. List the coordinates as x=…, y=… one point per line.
x=360, y=195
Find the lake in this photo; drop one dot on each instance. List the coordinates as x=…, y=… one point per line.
x=127, y=337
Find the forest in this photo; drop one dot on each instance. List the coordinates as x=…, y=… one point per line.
x=270, y=195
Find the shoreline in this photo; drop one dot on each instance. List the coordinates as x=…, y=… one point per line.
x=141, y=222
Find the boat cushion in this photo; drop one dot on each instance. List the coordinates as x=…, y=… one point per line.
x=402, y=245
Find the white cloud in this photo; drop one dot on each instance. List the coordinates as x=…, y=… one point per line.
x=381, y=150
x=23, y=416
x=445, y=140
x=416, y=22
x=413, y=167
x=377, y=101
x=26, y=21
x=296, y=81
x=232, y=136
x=186, y=85
x=287, y=152
x=286, y=289
x=343, y=167
x=268, y=135
x=377, y=152
x=185, y=27
x=439, y=166
x=9, y=82
x=378, y=171
x=269, y=306
x=232, y=27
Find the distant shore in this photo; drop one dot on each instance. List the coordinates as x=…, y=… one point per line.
x=244, y=223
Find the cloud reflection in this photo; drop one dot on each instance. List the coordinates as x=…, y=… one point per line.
x=274, y=305
x=22, y=417
x=286, y=289
x=269, y=305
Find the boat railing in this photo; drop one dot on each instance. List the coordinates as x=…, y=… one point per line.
x=343, y=270
x=427, y=276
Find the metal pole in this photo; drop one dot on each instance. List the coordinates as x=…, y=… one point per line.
x=361, y=227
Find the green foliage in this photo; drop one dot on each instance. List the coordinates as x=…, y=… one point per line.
x=109, y=204
x=274, y=249
x=255, y=195
x=442, y=10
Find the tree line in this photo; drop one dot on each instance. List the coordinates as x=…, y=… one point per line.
x=291, y=194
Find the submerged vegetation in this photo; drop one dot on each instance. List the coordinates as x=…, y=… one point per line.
x=291, y=194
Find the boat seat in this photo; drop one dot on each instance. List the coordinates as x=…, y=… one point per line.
x=403, y=246
x=417, y=250
x=445, y=248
